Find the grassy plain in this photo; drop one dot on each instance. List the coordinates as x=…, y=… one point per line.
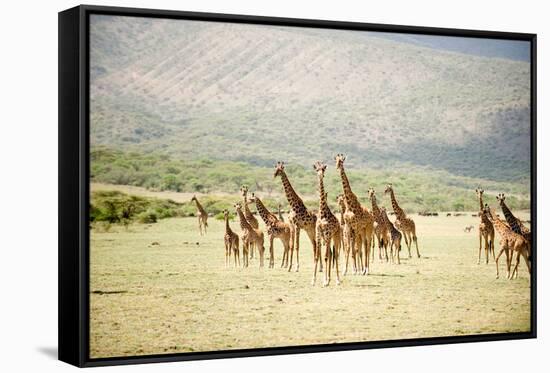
x=162, y=288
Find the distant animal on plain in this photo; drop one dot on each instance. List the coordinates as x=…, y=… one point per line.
x=202, y=215
x=449, y=214
x=468, y=228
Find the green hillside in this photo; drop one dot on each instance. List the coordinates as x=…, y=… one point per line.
x=417, y=188
x=255, y=93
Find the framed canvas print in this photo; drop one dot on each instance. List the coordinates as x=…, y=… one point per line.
x=234, y=186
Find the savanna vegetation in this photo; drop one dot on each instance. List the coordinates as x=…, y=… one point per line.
x=418, y=188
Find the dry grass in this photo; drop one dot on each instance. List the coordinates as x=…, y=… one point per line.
x=176, y=296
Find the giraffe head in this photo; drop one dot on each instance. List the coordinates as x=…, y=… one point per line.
x=225, y=213
x=279, y=169
x=479, y=192
x=238, y=206
x=194, y=198
x=244, y=190
x=371, y=193
x=252, y=199
x=501, y=198
x=340, y=158
x=389, y=189
x=320, y=168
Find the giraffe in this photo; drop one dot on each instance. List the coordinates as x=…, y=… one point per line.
x=327, y=229
x=249, y=215
x=509, y=240
x=402, y=222
x=347, y=236
x=299, y=217
x=395, y=236
x=357, y=217
x=250, y=237
x=275, y=229
x=231, y=240
x=202, y=215
x=382, y=231
x=515, y=224
x=279, y=212
x=486, y=231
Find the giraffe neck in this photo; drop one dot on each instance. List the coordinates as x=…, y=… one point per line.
x=375, y=209
x=247, y=211
x=243, y=222
x=267, y=217
x=294, y=200
x=510, y=218
x=481, y=205
x=398, y=211
x=349, y=196
x=387, y=220
x=227, y=229
x=342, y=210
x=199, y=207
x=497, y=223
x=323, y=207
x=280, y=213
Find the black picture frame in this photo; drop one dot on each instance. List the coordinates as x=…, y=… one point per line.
x=74, y=171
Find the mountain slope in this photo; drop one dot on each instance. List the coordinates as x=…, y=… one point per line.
x=260, y=94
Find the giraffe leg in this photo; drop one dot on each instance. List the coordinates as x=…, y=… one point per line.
x=486, y=246
x=316, y=258
x=297, y=237
x=397, y=250
x=337, y=243
x=527, y=261
x=502, y=250
x=406, y=236
x=479, y=254
x=311, y=234
x=366, y=247
x=271, y=254
x=492, y=244
x=328, y=261
x=518, y=257
x=292, y=233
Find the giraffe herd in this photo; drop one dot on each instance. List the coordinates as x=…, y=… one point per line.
x=354, y=231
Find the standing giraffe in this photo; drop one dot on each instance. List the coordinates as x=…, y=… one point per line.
x=231, y=240
x=275, y=229
x=515, y=224
x=347, y=237
x=250, y=237
x=381, y=231
x=486, y=231
x=299, y=217
x=249, y=215
x=327, y=231
x=202, y=215
x=403, y=223
x=357, y=217
x=394, y=234
x=509, y=240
